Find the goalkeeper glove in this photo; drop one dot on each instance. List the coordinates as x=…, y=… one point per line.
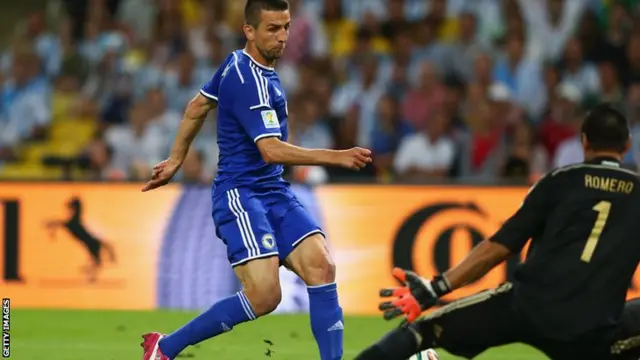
x=417, y=295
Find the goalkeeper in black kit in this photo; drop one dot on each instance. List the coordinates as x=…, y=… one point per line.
x=568, y=298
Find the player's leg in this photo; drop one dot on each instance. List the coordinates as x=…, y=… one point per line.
x=255, y=263
x=622, y=343
x=260, y=296
x=465, y=328
x=304, y=250
x=627, y=344
x=311, y=261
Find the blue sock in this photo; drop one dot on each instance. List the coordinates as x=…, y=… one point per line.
x=221, y=317
x=327, y=323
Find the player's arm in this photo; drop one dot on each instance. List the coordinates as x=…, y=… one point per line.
x=196, y=112
x=194, y=116
x=275, y=151
x=482, y=259
x=249, y=100
x=420, y=294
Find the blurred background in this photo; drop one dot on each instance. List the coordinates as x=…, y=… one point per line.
x=474, y=91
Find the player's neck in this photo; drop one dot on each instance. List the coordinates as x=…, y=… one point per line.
x=593, y=155
x=257, y=57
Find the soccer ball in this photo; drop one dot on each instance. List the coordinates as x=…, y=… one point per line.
x=428, y=354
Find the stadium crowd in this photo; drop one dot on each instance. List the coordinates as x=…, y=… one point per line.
x=440, y=90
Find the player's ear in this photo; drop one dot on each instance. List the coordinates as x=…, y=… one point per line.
x=627, y=145
x=585, y=142
x=249, y=32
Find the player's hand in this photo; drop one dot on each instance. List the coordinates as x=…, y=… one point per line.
x=355, y=158
x=416, y=296
x=162, y=174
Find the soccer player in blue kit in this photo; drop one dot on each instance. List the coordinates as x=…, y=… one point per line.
x=255, y=212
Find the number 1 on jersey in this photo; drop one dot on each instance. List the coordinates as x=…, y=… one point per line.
x=603, y=208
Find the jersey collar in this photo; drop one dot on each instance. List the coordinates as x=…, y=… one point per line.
x=604, y=160
x=255, y=62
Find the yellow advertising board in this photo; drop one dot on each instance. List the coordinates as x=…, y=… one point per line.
x=81, y=245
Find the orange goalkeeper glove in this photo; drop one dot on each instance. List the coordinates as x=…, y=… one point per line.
x=417, y=295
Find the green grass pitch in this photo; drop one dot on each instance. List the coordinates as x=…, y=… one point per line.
x=115, y=335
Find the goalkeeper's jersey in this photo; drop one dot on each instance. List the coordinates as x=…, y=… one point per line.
x=584, y=224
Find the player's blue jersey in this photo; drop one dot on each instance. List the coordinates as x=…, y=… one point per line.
x=251, y=106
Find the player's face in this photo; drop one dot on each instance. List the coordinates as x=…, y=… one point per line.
x=270, y=38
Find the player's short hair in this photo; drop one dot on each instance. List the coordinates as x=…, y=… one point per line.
x=606, y=129
x=253, y=8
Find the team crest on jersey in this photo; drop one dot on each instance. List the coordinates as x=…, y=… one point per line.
x=268, y=241
x=270, y=119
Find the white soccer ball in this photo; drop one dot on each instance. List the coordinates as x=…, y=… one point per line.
x=428, y=354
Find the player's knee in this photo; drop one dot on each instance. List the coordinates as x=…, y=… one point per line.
x=320, y=269
x=316, y=265
x=264, y=297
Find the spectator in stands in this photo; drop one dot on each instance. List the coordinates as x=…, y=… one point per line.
x=138, y=145
x=365, y=91
x=562, y=124
x=97, y=162
x=482, y=70
x=446, y=24
x=517, y=165
x=422, y=99
x=395, y=21
x=44, y=43
x=205, y=38
x=399, y=70
x=72, y=62
x=110, y=88
x=465, y=49
x=340, y=31
x=427, y=154
x=483, y=146
x=631, y=73
x=91, y=46
x=427, y=46
x=617, y=34
x=611, y=88
x=371, y=24
x=521, y=74
x=193, y=171
x=389, y=131
x=161, y=114
x=551, y=23
x=182, y=81
x=322, y=92
x=148, y=51
x=25, y=108
x=169, y=36
x=551, y=79
x=574, y=69
x=346, y=136
x=309, y=128
x=475, y=97
x=453, y=101
x=591, y=36
x=307, y=40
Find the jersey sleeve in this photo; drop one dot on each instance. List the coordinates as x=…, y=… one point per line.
x=210, y=88
x=246, y=93
x=529, y=220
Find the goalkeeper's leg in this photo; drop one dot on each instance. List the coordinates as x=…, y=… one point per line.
x=465, y=328
x=627, y=344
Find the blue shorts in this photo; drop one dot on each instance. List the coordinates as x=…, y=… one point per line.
x=259, y=223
